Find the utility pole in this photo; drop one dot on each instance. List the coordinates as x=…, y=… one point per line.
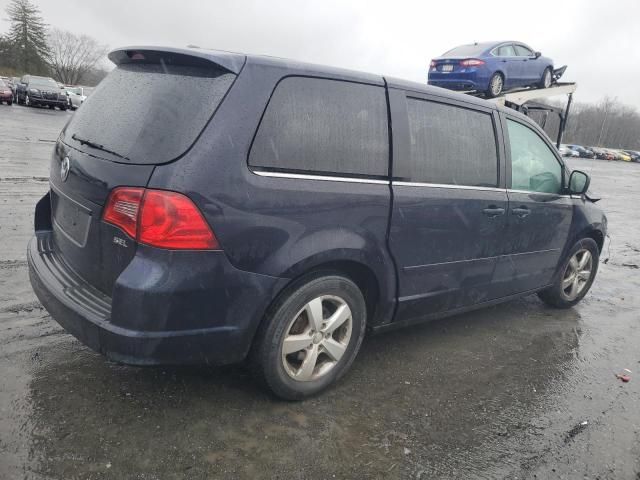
x=604, y=120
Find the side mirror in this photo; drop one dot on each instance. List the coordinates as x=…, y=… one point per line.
x=537, y=54
x=578, y=182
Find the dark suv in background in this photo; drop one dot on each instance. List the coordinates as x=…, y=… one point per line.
x=40, y=91
x=240, y=207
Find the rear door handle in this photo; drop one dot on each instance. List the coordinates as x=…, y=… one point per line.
x=493, y=211
x=521, y=212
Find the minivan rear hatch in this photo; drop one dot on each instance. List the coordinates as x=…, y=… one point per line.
x=149, y=110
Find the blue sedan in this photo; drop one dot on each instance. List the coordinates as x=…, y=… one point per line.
x=491, y=67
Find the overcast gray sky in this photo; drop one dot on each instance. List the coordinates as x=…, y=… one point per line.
x=598, y=39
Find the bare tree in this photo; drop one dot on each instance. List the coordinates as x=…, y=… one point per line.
x=73, y=56
x=608, y=123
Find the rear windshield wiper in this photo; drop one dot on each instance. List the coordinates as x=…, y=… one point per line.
x=97, y=146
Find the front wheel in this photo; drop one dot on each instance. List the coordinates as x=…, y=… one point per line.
x=27, y=101
x=545, y=81
x=576, y=276
x=310, y=337
x=496, y=84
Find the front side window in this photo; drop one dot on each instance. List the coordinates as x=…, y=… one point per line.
x=326, y=126
x=451, y=145
x=523, y=51
x=506, y=51
x=534, y=167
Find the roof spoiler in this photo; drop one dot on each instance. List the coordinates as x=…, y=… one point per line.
x=194, y=57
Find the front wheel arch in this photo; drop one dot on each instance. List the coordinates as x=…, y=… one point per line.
x=552, y=295
x=597, y=237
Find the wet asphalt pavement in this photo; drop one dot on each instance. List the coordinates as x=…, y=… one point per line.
x=498, y=393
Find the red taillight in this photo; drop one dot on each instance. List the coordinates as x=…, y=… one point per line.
x=171, y=220
x=122, y=209
x=471, y=62
x=159, y=218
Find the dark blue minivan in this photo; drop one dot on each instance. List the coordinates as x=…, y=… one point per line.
x=209, y=207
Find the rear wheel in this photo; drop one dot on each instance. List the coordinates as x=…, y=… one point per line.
x=27, y=101
x=496, y=84
x=577, y=275
x=545, y=81
x=311, y=337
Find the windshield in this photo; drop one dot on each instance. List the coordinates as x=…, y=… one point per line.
x=149, y=113
x=465, y=51
x=2, y=84
x=44, y=84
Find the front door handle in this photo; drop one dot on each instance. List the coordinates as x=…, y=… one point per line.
x=521, y=212
x=493, y=211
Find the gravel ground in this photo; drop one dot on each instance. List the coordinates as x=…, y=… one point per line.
x=498, y=393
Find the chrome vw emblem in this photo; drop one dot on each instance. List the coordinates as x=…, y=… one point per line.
x=65, y=166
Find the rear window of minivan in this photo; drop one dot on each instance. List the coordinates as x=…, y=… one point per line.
x=324, y=126
x=149, y=113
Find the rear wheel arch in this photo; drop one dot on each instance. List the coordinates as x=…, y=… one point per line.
x=359, y=273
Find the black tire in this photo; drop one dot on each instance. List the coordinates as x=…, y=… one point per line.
x=496, y=85
x=266, y=357
x=556, y=295
x=10, y=102
x=27, y=101
x=546, y=79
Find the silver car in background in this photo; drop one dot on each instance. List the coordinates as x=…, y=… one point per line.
x=76, y=96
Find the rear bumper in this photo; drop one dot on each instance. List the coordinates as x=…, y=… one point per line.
x=470, y=80
x=106, y=324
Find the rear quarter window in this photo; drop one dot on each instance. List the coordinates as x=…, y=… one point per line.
x=323, y=126
x=451, y=145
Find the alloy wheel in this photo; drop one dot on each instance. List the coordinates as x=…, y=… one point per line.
x=577, y=274
x=547, y=78
x=496, y=84
x=317, y=338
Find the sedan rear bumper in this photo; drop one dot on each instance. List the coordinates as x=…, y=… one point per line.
x=469, y=79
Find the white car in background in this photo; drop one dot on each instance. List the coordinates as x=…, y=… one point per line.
x=76, y=96
x=565, y=151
